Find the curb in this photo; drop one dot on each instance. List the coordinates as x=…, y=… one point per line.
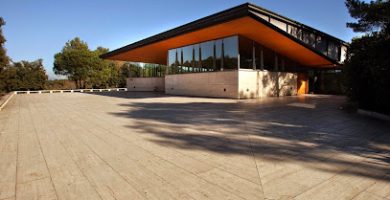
x=373, y=114
x=6, y=101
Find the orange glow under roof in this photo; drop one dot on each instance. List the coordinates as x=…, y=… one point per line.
x=245, y=26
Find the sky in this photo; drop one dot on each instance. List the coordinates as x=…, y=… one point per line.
x=40, y=28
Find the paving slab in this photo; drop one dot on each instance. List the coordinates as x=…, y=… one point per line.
x=139, y=145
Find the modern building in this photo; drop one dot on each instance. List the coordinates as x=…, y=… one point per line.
x=242, y=52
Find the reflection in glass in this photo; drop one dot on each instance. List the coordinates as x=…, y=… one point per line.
x=207, y=55
x=230, y=51
x=218, y=55
x=196, y=62
x=333, y=51
x=321, y=45
x=171, y=61
x=187, y=59
x=179, y=61
x=222, y=54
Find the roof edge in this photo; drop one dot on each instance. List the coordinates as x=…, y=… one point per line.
x=242, y=10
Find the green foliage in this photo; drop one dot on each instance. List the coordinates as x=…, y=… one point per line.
x=86, y=68
x=368, y=71
x=75, y=61
x=367, y=68
x=372, y=17
x=4, y=60
x=23, y=75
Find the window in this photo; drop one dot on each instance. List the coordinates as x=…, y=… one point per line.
x=246, y=53
x=279, y=24
x=187, y=59
x=269, y=59
x=179, y=61
x=171, y=61
x=259, y=57
x=230, y=51
x=218, y=55
x=197, y=58
x=212, y=55
x=294, y=31
x=333, y=51
x=321, y=44
x=207, y=55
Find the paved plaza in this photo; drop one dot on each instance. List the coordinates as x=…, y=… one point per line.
x=124, y=145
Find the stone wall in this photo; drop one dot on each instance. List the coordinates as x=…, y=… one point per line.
x=258, y=84
x=222, y=84
x=146, y=84
x=235, y=84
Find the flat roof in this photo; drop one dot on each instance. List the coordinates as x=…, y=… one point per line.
x=153, y=49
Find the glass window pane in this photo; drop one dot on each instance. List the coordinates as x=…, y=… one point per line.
x=230, y=52
x=246, y=53
x=207, y=55
x=269, y=59
x=259, y=57
x=218, y=55
x=197, y=65
x=187, y=59
x=294, y=31
x=178, y=61
x=171, y=60
x=321, y=44
x=279, y=24
x=333, y=50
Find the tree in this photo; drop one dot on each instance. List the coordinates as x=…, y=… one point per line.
x=372, y=17
x=4, y=60
x=24, y=75
x=75, y=61
x=367, y=68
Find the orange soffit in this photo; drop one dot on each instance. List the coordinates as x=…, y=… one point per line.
x=155, y=48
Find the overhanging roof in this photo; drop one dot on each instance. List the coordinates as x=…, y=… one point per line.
x=241, y=20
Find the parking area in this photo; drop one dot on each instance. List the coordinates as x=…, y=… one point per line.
x=134, y=145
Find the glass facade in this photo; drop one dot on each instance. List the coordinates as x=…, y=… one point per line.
x=146, y=70
x=246, y=53
x=214, y=55
x=324, y=44
x=229, y=53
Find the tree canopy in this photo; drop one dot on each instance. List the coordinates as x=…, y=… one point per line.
x=371, y=17
x=75, y=61
x=4, y=60
x=367, y=68
x=23, y=75
x=86, y=68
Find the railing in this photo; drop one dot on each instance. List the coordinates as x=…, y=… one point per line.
x=70, y=91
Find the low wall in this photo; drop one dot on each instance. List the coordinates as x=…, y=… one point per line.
x=258, y=84
x=209, y=84
x=146, y=84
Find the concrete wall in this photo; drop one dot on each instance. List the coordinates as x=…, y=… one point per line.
x=224, y=84
x=146, y=84
x=209, y=84
x=258, y=84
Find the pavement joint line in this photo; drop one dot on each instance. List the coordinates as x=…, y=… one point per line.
x=41, y=150
x=2, y=106
x=214, y=165
x=111, y=133
x=77, y=165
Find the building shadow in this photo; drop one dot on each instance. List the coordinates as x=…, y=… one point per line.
x=310, y=130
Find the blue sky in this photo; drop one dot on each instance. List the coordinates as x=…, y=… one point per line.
x=39, y=29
